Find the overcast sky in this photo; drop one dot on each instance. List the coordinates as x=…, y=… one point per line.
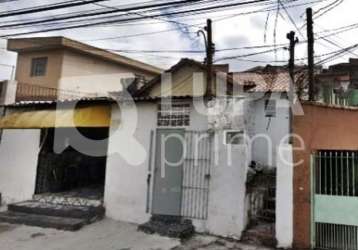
x=229, y=31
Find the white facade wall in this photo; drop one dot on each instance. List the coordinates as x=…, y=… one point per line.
x=126, y=183
x=284, y=197
x=268, y=132
x=8, y=92
x=19, y=154
x=91, y=75
x=227, y=212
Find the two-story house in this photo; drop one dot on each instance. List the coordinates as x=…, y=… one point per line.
x=60, y=68
x=61, y=91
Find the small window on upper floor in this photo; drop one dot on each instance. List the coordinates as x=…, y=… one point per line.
x=38, y=66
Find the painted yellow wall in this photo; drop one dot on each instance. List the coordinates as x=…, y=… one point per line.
x=183, y=83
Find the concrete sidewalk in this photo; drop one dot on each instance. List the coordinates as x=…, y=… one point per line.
x=104, y=235
x=107, y=235
x=206, y=242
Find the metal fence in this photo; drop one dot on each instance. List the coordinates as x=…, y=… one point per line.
x=336, y=173
x=32, y=92
x=332, y=236
x=196, y=175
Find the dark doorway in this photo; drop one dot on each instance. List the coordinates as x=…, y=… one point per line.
x=71, y=172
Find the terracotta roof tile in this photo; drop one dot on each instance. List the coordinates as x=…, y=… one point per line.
x=263, y=82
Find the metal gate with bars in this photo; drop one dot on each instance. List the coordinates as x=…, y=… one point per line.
x=334, y=200
x=196, y=175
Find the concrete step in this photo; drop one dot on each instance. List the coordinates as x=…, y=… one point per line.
x=67, y=199
x=170, y=226
x=260, y=234
x=66, y=211
x=68, y=224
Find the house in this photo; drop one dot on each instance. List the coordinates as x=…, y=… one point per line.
x=218, y=133
x=169, y=150
x=201, y=188
x=271, y=116
x=325, y=182
x=337, y=85
x=51, y=69
x=60, y=68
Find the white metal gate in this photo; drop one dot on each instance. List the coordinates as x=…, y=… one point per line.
x=196, y=175
x=334, y=200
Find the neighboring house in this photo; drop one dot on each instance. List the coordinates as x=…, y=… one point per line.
x=338, y=85
x=325, y=178
x=58, y=67
x=271, y=116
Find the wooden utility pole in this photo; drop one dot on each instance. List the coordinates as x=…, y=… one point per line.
x=310, y=41
x=291, y=69
x=210, y=50
x=291, y=62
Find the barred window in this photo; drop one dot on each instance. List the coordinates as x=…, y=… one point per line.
x=174, y=115
x=38, y=66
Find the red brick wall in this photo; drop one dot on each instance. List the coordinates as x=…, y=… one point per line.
x=320, y=128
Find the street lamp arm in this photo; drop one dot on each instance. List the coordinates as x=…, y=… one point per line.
x=201, y=32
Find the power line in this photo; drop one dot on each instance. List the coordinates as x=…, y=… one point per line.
x=247, y=55
x=266, y=10
x=338, y=53
x=67, y=4
x=148, y=16
x=137, y=18
x=7, y=1
x=134, y=35
x=291, y=18
x=145, y=33
x=333, y=6
x=114, y=10
x=194, y=51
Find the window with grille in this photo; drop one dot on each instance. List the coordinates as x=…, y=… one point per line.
x=38, y=66
x=270, y=108
x=174, y=114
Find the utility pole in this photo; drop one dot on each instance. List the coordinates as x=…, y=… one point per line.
x=210, y=50
x=310, y=41
x=291, y=63
x=291, y=68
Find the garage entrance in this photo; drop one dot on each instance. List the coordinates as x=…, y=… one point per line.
x=71, y=173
